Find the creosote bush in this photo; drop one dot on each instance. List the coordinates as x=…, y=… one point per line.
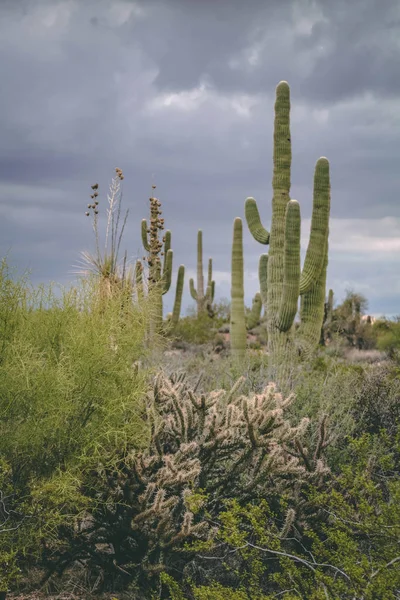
x=70, y=398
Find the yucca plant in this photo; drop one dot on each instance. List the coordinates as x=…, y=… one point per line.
x=113, y=278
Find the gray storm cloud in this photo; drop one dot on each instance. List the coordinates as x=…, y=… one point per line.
x=181, y=93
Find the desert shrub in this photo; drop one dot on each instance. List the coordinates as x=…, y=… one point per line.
x=196, y=329
x=69, y=396
x=378, y=401
x=205, y=448
x=388, y=337
x=345, y=546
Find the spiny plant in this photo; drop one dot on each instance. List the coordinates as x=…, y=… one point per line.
x=178, y=295
x=159, y=278
x=253, y=318
x=204, y=448
x=237, y=322
x=204, y=300
x=106, y=268
x=327, y=319
x=281, y=279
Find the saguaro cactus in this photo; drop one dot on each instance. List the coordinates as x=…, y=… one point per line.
x=253, y=318
x=283, y=281
x=178, y=295
x=237, y=324
x=159, y=279
x=204, y=300
x=327, y=320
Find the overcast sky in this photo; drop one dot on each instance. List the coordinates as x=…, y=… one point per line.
x=181, y=93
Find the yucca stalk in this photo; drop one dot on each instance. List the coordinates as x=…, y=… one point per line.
x=112, y=278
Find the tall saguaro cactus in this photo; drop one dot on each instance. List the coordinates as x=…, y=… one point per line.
x=237, y=330
x=204, y=300
x=159, y=278
x=281, y=279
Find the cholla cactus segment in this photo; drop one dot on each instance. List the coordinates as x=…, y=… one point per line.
x=237, y=322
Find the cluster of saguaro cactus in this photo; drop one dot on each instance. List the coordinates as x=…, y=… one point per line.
x=204, y=300
x=281, y=279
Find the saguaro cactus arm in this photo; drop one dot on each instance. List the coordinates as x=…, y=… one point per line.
x=167, y=272
x=210, y=283
x=263, y=277
x=145, y=241
x=193, y=292
x=178, y=295
x=319, y=226
x=254, y=224
x=291, y=276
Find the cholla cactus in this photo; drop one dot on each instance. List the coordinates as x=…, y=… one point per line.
x=204, y=448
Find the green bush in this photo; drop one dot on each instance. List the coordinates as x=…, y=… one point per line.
x=70, y=399
x=339, y=541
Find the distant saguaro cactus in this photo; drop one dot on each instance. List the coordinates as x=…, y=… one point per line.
x=281, y=278
x=204, y=300
x=253, y=318
x=237, y=324
x=178, y=295
x=159, y=279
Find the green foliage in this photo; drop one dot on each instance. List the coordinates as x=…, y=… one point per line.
x=151, y=506
x=196, y=328
x=341, y=543
x=70, y=399
x=388, y=337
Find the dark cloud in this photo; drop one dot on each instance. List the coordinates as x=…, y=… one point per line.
x=181, y=93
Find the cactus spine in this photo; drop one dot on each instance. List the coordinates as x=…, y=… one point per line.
x=204, y=300
x=178, y=295
x=283, y=281
x=159, y=279
x=237, y=324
